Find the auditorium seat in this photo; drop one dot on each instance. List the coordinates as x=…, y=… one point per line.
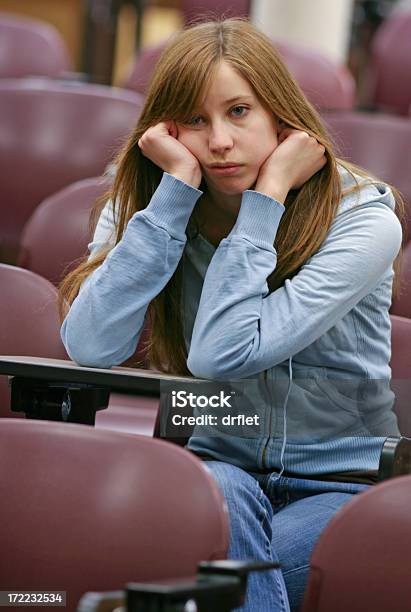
x=326, y=84
x=390, y=65
x=379, y=143
x=29, y=325
x=91, y=510
x=29, y=321
x=401, y=371
x=361, y=561
x=56, y=235
x=401, y=305
x=31, y=48
x=52, y=135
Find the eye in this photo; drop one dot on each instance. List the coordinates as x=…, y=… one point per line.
x=239, y=111
x=195, y=121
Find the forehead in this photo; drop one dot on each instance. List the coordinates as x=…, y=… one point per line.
x=225, y=85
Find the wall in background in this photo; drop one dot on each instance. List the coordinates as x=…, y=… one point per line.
x=324, y=25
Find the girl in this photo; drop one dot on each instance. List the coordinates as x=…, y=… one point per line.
x=258, y=257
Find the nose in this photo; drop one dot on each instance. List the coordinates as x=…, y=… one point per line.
x=220, y=138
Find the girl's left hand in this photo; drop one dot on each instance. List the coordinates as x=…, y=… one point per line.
x=296, y=158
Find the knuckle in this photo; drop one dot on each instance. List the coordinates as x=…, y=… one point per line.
x=148, y=138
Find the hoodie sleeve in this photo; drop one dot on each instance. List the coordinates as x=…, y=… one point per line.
x=241, y=329
x=105, y=320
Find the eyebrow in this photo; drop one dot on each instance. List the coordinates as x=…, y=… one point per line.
x=240, y=97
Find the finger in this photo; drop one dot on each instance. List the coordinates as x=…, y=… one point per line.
x=161, y=128
x=321, y=163
x=173, y=129
x=285, y=133
x=170, y=127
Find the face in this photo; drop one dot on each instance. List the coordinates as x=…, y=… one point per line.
x=231, y=134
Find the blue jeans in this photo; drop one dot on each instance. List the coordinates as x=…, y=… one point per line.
x=277, y=519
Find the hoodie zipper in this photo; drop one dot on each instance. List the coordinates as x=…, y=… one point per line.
x=264, y=455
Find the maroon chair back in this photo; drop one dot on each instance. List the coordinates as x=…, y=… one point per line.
x=141, y=70
x=391, y=64
x=379, y=143
x=361, y=561
x=194, y=9
x=57, y=234
x=401, y=305
x=326, y=84
x=31, y=48
x=90, y=510
x=401, y=371
x=30, y=325
x=52, y=135
x=29, y=321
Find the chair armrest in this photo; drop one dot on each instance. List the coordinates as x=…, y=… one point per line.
x=395, y=459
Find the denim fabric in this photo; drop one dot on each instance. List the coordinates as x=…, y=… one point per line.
x=277, y=519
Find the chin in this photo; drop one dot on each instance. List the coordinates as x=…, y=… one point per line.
x=233, y=187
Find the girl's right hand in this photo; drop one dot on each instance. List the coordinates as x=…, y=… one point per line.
x=159, y=143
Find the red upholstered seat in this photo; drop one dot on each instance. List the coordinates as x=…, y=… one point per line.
x=361, y=561
x=31, y=48
x=379, y=143
x=54, y=134
x=401, y=305
x=401, y=371
x=29, y=321
x=327, y=84
x=90, y=510
x=30, y=325
x=56, y=235
x=390, y=65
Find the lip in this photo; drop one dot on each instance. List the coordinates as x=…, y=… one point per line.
x=225, y=169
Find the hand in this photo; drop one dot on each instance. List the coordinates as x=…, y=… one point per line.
x=159, y=143
x=296, y=158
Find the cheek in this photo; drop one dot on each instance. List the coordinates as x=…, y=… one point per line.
x=192, y=142
x=264, y=147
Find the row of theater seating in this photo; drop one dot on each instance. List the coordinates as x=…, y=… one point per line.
x=48, y=236
x=85, y=510
x=55, y=134
x=32, y=48
x=61, y=144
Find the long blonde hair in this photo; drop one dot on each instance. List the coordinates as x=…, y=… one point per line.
x=189, y=60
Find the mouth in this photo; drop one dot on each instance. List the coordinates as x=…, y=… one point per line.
x=225, y=169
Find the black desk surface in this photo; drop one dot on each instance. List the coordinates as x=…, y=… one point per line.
x=127, y=379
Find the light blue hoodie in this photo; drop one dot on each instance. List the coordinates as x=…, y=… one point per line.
x=311, y=358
